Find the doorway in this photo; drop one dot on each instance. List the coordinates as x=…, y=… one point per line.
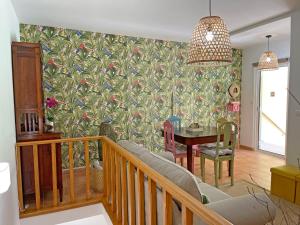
x=273, y=110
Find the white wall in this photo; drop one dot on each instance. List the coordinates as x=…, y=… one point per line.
x=9, y=31
x=251, y=55
x=293, y=122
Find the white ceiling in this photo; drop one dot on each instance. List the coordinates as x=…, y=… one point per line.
x=280, y=30
x=160, y=19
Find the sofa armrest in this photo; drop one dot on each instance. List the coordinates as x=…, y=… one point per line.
x=246, y=210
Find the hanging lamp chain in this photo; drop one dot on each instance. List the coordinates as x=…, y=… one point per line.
x=209, y=7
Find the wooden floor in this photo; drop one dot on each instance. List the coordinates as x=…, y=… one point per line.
x=80, y=193
x=247, y=162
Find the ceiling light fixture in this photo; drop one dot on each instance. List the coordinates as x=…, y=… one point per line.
x=268, y=60
x=210, y=44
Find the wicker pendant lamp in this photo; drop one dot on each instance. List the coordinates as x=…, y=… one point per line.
x=268, y=60
x=210, y=44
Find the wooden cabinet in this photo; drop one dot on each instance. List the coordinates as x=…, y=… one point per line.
x=29, y=118
x=27, y=79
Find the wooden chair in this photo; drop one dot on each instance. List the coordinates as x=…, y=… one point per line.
x=220, y=121
x=224, y=151
x=178, y=151
x=176, y=122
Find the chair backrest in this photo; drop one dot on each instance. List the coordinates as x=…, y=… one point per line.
x=220, y=121
x=169, y=137
x=176, y=122
x=229, y=130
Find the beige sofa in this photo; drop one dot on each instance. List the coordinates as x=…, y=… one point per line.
x=244, y=210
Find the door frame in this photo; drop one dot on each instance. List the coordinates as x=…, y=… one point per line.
x=256, y=97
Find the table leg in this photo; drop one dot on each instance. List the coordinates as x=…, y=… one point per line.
x=190, y=158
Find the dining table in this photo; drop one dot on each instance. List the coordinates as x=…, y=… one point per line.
x=190, y=137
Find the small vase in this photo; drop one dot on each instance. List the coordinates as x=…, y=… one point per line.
x=49, y=126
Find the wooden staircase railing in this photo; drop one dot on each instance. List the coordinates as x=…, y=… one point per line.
x=56, y=206
x=121, y=171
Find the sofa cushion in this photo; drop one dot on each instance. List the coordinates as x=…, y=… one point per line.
x=175, y=173
x=211, y=193
x=246, y=210
x=213, y=153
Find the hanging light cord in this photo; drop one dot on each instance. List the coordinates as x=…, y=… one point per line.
x=209, y=7
x=268, y=36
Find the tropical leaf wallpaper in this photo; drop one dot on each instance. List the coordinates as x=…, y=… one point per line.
x=92, y=77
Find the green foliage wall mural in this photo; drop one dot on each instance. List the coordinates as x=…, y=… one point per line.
x=97, y=77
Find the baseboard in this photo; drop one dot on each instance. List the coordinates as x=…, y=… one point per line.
x=245, y=147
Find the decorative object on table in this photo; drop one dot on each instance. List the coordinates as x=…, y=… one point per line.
x=223, y=151
x=176, y=122
x=210, y=44
x=4, y=177
x=178, y=151
x=234, y=90
x=268, y=60
x=194, y=127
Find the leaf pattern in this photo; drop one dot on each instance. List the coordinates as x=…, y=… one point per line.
x=127, y=80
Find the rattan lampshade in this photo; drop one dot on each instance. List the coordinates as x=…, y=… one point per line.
x=210, y=44
x=210, y=51
x=268, y=60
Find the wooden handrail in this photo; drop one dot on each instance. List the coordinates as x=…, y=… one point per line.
x=273, y=123
x=63, y=140
x=121, y=172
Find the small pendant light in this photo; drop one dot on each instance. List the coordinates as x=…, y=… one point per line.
x=268, y=60
x=210, y=44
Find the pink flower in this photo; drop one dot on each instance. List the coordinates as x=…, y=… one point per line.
x=137, y=115
x=199, y=98
x=82, y=46
x=83, y=81
x=111, y=66
x=51, y=102
x=136, y=84
x=51, y=62
x=136, y=51
x=199, y=72
x=85, y=116
x=113, y=98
